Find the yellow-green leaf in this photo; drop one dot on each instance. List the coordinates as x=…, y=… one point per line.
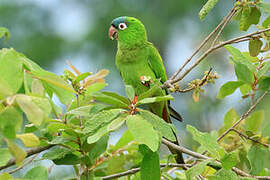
x=16, y=152
x=255, y=46
x=207, y=8
x=29, y=139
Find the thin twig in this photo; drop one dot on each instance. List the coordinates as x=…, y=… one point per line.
x=244, y=116
x=210, y=50
x=246, y=137
x=232, y=12
x=29, y=152
x=201, y=46
x=135, y=170
x=200, y=156
x=22, y=166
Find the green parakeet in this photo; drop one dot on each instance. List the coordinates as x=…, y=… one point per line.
x=137, y=59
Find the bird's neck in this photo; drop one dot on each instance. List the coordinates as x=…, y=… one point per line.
x=131, y=46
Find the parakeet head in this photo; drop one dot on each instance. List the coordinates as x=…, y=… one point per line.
x=129, y=31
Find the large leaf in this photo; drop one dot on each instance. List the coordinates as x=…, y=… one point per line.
x=36, y=109
x=101, y=119
x=159, y=124
x=239, y=57
x=229, y=160
x=10, y=121
x=56, y=152
x=4, y=156
x=150, y=168
x=255, y=46
x=207, y=8
x=258, y=156
x=130, y=92
x=54, y=83
x=242, y=72
x=244, y=20
x=38, y=172
x=98, y=148
x=4, y=32
x=29, y=139
x=143, y=131
x=196, y=170
x=225, y=175
x=155, y=99
x=11, y=72
x=229, y=118
x=254, y=121
x=117, y=96
x=207, y=141
x=16, y=152
x=109, y=100
x=229, y=88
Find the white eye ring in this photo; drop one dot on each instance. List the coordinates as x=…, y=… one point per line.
x=122, y=26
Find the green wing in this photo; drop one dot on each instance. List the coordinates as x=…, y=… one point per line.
x=156, y=63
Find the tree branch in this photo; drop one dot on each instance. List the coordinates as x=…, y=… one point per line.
x=20, y=167
x=200, y=156
x=29, y=152
x=244, y=115
x=201, y=45
x=210, y=50
x=135, y=170
x=247, y=137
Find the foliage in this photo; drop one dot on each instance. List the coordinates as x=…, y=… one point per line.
x=75, y=131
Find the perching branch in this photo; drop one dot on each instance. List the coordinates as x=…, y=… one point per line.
x=29, y=152
x=244, y=116
x=200, y=156
x=135, y=170
x=201, y=45
x=20, y=167
x=247, y=137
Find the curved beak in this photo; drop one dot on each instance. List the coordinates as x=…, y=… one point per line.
x=113, y=33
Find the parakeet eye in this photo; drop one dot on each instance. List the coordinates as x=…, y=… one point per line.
x=122, y=26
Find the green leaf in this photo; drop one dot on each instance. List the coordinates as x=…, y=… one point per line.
x=239, y=57
x=29, y=139
x=117, y=123
x=82, y=77
x=150, y=168
x=55, y=127
x=196, y=170
x=255, y=46
x=56, y=152
x=16, y=152
x=69, y=159
x=130, y=92
x=109, y=100
x=4, y=32
x=244, y=20
x=229, y=118
x=266, y=130
x=264, y=6
x=264, y=83
x=153, y=89
x=155, y=99
x=257, y=157
x=10, y=121
x=36, y=109
x=98, y=148
x=126, y=138
x=229, y=88
x=95, y=87
x=207, y=8
x=266, y=22
x=117, y=96
x=6, y=176
x=97, y=135
x=229, y=160
x=38, y=172
x=143, y=132
x=159, y=124
x=245, y=89
x=254, y=121
x=207, y=141
x=242, y=72
x=54, y=83
x=264, y=69
x=4, y=156
x=37, y=87
x=11, y=72
x=225, y=175
x=101, y=119
x=82, y=110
